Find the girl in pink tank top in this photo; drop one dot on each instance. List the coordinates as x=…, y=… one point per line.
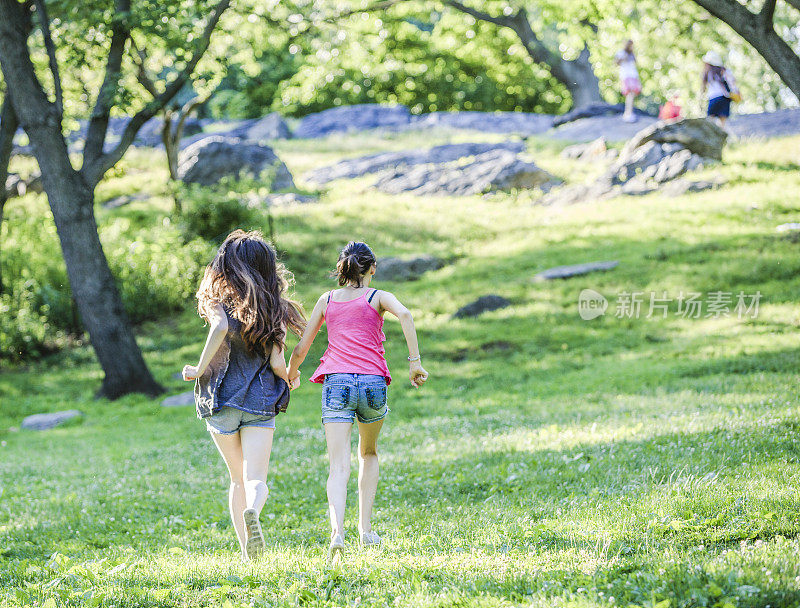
x=354, y=375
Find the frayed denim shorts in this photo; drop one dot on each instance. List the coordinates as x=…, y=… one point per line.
x=346, y=397
x=229, y=421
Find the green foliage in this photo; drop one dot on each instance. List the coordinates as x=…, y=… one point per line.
x=156, y=267
x=212, y=213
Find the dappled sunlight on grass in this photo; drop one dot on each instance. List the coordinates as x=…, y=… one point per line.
x=549, y=461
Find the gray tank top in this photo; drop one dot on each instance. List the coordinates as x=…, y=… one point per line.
x=239, y=379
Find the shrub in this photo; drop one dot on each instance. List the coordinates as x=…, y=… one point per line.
x=212, y=213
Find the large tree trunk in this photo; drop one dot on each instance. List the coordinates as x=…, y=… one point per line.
x=758, y=29
x=96, y=293
x=8, y=127
x=581, y=81
x=71, y=201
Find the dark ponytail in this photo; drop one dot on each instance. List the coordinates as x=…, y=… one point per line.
x=355, y=260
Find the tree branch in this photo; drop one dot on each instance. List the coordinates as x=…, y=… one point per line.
x=794, y=3
x=97, y=169
x=98, y=123
x=767, y=14
x=139, y=58
x=502, y=21
x=41, y=9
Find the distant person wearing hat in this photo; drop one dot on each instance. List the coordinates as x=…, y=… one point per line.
x=628, y=78
x=721, y=87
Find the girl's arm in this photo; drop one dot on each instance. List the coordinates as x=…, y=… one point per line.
x=218, y=323
x=312, y=327
x=390, y=303
x=278, y=363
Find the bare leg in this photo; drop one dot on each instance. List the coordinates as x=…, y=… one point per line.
x=722, y=120
x=256, y=449
x=628, y=115
x=337, y=436
x=367, y=472
x=230, y=448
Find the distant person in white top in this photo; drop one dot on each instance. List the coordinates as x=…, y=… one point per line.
x=628, y=78
x=720, y=85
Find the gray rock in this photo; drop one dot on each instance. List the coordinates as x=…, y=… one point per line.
x=150, y=133
x=288, y=198
x=591, y=150
x=406, y=269
x=364, y=165
x=481, y=305
x=486, y=122
x=676, y=164
x=592, y=110
x=579, y=193
x=496, y=170
x=271, y=126
x=352, y=118
x=766, y=124
x=574, y=270
x=699, y=135
x=684, y=186
x=613, y=128
x=179, y=400
x=42, y=422
x=209, y=160
x=125, y=199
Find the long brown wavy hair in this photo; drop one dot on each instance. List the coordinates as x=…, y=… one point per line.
x=249, y=281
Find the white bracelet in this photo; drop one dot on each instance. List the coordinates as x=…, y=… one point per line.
x=417, y=358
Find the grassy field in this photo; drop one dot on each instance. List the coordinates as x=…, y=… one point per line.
x=549, y=461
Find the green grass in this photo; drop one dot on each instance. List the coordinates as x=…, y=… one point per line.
x=549, y=461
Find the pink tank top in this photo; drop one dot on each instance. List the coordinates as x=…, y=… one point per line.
x=355, y=340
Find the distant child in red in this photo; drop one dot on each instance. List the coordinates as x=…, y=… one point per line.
x=670, y=111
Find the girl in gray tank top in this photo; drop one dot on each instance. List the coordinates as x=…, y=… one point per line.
x=241, y=381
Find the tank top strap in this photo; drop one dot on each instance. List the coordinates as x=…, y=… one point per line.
x=374, y=291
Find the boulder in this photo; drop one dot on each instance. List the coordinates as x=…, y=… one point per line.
x=150, y=133
x=352, y=118
x=481, y=305
x=594, y=109
x=288, y=198
x=42, y=422
x=406, y=269
x=698, y=135
x=179, y=400
x=496, y=170
x=596, y=150
x=578, y=193
x=612, y=127
x=575, y=270
x=210, y=159
x=373, y=163
x=125, y=199
x=684, y=186
x=271, y=126
x=522, y=123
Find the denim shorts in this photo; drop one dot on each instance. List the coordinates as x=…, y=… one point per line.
x=346, y=397
x=229, y=421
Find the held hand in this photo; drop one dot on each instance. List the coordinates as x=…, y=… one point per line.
x=417, y=374
x=294, y=382
x=190, y=372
